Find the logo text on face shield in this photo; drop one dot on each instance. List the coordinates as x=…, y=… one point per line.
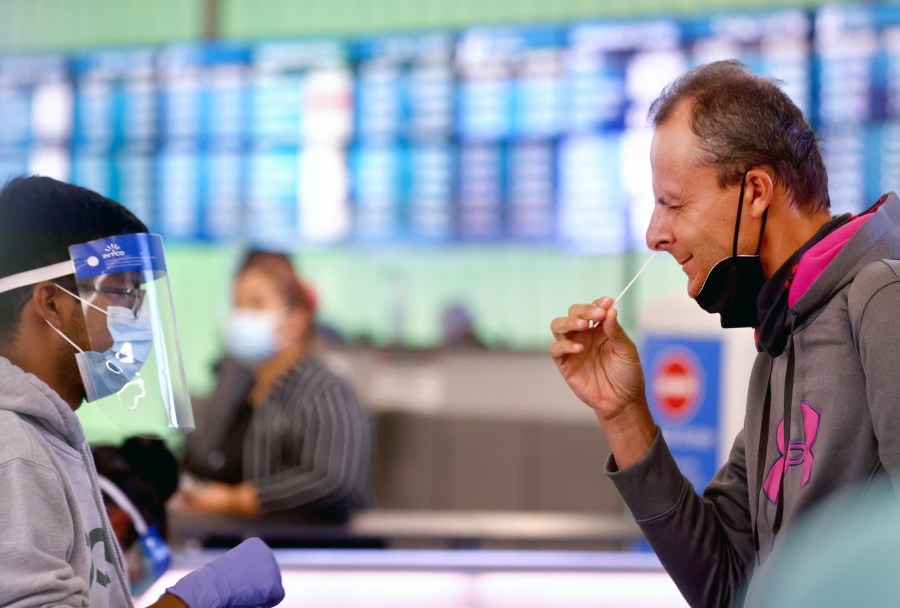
x=112, y=251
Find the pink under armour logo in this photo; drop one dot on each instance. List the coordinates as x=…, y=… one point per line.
x=799, y=452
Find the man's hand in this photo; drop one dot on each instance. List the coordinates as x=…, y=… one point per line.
x=244, y=577
x=600, y=363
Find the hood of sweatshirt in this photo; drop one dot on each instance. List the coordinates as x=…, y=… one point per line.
x=28, y=395
x=835, y=261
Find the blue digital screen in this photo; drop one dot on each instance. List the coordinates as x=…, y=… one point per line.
x=613, y=71
x=592, y=205
x=124, y=175
x=531, y=191
x=510, y=82
x=222, y=208
x=204, y=92
x=35, y=100
x=116, y=97
x=775, y=44
x=480, y=196
x=300, y=91
x=404, y=86
x=273, y=196
x=429, y=206
x=379, y=176
x=857, y=71
x=402, y=166
x=533, y=134
x=12, y=163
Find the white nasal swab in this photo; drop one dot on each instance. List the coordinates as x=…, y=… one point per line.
x=593, y=324
x=643, y=268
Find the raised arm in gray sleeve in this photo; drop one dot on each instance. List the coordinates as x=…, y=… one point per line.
x=705, y=544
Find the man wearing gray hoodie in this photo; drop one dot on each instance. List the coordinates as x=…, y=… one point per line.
x=742, y=205
x=56, y=544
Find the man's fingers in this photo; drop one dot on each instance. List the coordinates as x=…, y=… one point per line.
x=561, y=326
x=589, y=312
x=565, y=347
x=605, y=302
x=611, y=325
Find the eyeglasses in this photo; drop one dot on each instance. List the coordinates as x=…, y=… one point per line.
x=133, y=296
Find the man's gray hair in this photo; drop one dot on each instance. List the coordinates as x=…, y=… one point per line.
x=745, y=121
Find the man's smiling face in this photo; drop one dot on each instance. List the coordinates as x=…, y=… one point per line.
x=693, y=217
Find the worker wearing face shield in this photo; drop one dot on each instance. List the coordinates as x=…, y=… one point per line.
x=86, y=316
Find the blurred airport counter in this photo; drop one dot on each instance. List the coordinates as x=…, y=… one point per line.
x=457, y=579
x=491, y=493
x=420, y=529
x=478, y=430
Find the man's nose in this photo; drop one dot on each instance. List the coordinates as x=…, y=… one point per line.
x=659, y=231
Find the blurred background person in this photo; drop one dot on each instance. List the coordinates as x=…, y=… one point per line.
x=285, y=434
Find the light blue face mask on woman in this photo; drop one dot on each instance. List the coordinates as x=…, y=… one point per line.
x=250, y=335
x=108, y=372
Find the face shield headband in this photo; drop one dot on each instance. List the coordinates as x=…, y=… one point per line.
x=133, y=370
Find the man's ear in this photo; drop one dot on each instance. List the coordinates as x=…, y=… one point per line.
x=759, y=190
x=48, y=303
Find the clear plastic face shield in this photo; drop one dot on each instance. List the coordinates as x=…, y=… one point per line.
x=133, y=371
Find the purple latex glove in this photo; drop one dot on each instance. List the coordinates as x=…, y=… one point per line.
x=246, y=576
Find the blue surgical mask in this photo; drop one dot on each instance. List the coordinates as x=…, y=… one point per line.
x=109, y=372
x=250, y=335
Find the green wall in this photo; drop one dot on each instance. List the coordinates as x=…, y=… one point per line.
x=72, y=24
x=251, y=18
x=512, y=292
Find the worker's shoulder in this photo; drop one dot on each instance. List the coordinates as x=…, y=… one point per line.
x=877, y=274
x=21, y=441
x=870, y=280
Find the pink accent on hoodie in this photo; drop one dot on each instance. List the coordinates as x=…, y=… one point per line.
x=799, y=452
x=814, y=261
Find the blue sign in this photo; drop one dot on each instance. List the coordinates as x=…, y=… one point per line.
x=683, y=377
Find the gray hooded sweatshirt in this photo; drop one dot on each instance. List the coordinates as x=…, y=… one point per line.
x=838, y=374
x=56, y=544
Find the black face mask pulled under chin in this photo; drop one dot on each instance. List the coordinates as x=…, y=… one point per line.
x=733, y=285
x=731, y=289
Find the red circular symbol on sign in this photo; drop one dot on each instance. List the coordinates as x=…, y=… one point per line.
x=677, y=384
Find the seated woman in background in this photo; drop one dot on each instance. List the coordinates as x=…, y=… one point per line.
x=281, y=433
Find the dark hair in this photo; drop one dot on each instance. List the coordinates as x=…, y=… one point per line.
x=278, y=267
x=40, y=218
x=744, y=121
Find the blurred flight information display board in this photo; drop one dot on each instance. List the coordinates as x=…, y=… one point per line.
x=531, y=134
x=858, y=112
